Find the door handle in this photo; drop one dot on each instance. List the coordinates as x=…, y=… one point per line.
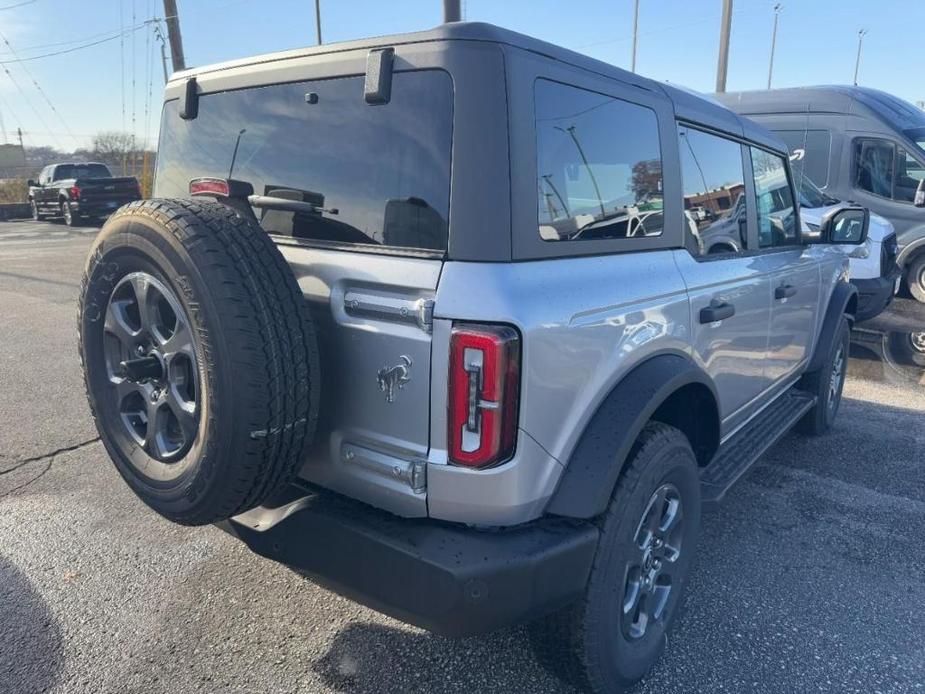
x=785, y=291
x=717, y=311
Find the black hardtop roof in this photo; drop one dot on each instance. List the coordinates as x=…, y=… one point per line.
x=845, y=99
x=688, y=105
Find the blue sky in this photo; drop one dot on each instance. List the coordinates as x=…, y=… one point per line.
x=81, y=92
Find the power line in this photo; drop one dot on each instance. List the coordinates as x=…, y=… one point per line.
x=29, y=102
x=131, y=30
x=18, y=4
x=37, y=85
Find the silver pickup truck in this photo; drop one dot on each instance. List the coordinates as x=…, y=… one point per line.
x=427, y=317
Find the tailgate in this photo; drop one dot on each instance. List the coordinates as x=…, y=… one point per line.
x=372, y=315
x=100, y=190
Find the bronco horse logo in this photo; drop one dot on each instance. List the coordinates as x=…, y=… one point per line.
x=392, y=378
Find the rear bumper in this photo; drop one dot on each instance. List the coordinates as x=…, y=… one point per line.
x=450, y=579
x=874, y=295
x=98, y=207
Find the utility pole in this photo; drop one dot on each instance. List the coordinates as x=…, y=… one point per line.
x=452, y=12
x=773, y=42
x=724, y=32
x=173, y=33
x=635, y=34
x=857, y=63
x=160, y=37
x=318, y=19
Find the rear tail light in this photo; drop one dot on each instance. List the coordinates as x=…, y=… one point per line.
x=209, y=186
x=484, y=389
x=75, y=193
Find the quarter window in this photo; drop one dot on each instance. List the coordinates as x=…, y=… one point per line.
x=774, y=198
x=715, y=203
x=599, y=166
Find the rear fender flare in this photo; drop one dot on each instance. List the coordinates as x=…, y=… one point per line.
x=604, y=447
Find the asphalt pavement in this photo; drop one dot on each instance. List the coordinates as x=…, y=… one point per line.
x=810, y=576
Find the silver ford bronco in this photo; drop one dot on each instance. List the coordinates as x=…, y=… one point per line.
x=434, y=319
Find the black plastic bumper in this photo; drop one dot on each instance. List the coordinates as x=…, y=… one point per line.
x=97, y=208
x=450, y=579
x=874, y=295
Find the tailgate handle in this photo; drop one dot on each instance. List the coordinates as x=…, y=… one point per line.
x=419, y=312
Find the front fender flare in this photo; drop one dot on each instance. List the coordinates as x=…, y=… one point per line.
x=838, y=303
x=597, y=461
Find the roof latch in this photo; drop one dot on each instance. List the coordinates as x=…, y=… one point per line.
x=378, y=88
x=189, y=102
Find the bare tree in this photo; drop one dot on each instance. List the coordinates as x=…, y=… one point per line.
x=115, y=149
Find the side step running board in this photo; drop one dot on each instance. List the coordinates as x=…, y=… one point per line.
x=740, y=452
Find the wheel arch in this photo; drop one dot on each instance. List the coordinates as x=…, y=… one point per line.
x=844, y=301
x=912, y=250
x=669, y=388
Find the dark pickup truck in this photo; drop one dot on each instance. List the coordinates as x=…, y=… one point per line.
x=79, y=190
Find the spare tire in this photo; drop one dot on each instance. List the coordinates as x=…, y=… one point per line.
x=199, y=358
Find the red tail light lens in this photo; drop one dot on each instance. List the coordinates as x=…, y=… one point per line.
x=484, y=389
x=208, y=186
x=75, y=192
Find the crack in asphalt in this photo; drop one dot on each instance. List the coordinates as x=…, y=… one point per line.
x=50, y=457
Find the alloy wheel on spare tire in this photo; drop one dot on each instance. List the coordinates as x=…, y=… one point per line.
x=199, y=357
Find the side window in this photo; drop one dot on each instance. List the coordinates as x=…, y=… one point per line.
x=774, y=198
x=715, y=203
x=909, y=173
x=809, y=154
x=599, y=166
x=874, y=166
x=816, y=158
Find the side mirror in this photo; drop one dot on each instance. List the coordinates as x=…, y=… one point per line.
x=845, y=225
x=920, y=194
x=31, y=183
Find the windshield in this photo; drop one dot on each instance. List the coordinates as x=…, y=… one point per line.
x=65, y=171
x=812, y=196
x=917, y=135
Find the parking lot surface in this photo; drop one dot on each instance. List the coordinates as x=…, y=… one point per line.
x=810, y=576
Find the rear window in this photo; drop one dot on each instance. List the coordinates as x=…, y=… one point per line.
x=65, y=171
x=372, y=174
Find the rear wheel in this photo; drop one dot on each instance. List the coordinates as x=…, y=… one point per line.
x=68, y=214
x=827, y=384
x=612, y=637
x=199, y=358
x=915, y=278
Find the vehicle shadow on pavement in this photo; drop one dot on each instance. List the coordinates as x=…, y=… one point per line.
x=31, y=647
x=366, y=657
